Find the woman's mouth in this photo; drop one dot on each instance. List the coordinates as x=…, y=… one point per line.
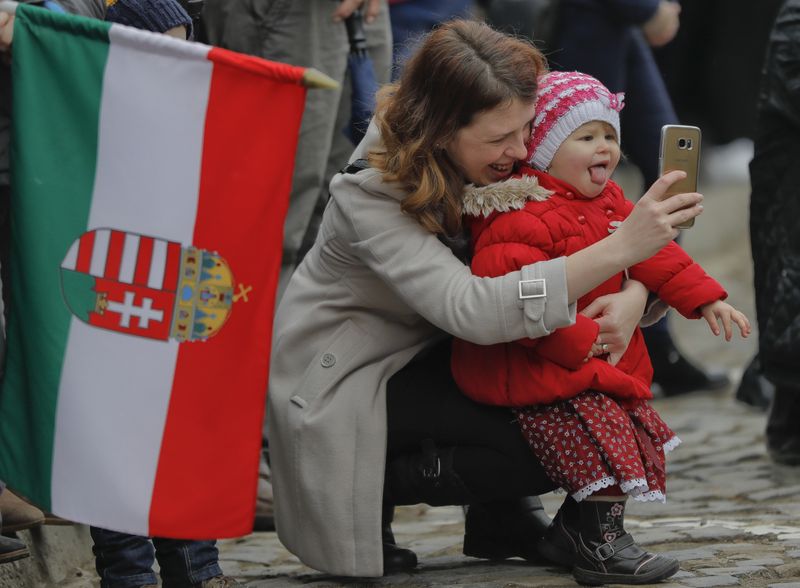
x=501, y=169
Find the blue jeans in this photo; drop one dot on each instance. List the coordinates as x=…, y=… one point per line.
x=126, y=561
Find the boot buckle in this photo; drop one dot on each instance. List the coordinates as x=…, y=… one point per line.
x=604, y=551
x=432, y=471
x=431, y=465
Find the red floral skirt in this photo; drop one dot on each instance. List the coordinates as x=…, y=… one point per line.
x=590, y=442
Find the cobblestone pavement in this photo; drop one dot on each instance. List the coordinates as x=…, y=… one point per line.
x=732, y=516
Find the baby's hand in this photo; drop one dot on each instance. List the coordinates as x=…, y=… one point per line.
x=720, y=311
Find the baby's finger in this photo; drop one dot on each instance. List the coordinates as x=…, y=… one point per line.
x=712, y=321
x=727, y=325
x=743, y=322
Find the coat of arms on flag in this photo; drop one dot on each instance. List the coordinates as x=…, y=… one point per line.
x=141, y=285
x=150, y=180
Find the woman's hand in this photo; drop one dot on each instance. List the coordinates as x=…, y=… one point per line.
x=618, y=315
x=663, y=25
x=6, y=34
x=722, y=312
x=347, y=7
x=653, y=221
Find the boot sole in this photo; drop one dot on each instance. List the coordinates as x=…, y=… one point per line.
x=14, y=555
x=13, y=528
x=594, y=578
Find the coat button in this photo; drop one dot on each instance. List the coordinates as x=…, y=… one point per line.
x=609, y=213
x=328, y=360
x=582, y=219
x=569, y=195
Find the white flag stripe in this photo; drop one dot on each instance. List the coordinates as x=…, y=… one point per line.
x=158, y=264
x=71, y=259
x=97, y=266
x=130, y=252
x=150, y=141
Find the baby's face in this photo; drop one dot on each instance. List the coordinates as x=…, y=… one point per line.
x=587, y=158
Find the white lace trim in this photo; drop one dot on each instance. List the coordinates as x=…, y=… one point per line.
x=671, y=444
x=651, y=496
x=590, y=489
x=502, y=196
x=634, y=487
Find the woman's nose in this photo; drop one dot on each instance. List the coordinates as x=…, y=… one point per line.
x=517, y=148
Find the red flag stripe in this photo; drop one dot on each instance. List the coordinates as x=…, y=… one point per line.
x=220, y=386
x=114, y=257
x=172, y=267
x=85, y=252
x=142, y=272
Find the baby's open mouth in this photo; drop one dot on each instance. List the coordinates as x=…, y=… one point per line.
x=599, y=173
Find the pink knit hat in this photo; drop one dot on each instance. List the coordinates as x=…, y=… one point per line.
x=565, y=101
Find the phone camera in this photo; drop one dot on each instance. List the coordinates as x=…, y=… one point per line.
x=684, y=143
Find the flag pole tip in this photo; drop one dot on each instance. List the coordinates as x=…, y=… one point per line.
x=313, y=78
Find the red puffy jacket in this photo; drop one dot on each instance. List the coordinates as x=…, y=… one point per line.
x=515, y=223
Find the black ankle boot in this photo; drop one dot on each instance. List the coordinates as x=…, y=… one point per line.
x=607, y=554
x=783, y=433
x=395, y=559
x=672, y=371
x=560, y=542
x=754, y=389
x=499, y=530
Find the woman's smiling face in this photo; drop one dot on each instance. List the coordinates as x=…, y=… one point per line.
x=487, y=149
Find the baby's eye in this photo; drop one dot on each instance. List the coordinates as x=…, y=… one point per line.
x=611, y=137
x=587, y=138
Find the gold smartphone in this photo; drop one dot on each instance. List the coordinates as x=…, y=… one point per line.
x=680, y=149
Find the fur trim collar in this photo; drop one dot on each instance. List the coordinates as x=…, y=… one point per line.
x=503, y=196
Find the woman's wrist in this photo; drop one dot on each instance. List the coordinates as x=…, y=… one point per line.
x=638, y=292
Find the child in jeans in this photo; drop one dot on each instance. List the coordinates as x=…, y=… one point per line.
x=581, y=402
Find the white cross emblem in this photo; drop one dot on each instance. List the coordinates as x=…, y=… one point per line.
x=144, y=313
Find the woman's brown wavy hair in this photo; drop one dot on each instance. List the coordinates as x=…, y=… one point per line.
x=462, y=68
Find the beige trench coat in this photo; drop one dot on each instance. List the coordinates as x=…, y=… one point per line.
x=375, y=289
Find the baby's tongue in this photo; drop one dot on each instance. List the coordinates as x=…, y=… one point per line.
x=598, y=174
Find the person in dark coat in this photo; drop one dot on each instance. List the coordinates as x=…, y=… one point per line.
x=775, y=241
x=612, y=41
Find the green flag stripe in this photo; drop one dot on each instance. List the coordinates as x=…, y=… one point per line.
x=59, y=62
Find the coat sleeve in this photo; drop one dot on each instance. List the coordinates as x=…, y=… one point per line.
x=675, y=278
x=783, y=64
x=431, y=280
x=519, y=239
x=678, y=281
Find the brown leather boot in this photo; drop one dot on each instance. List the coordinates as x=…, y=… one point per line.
x=18, y=514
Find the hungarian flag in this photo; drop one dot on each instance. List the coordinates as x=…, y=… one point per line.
x=150, y=183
